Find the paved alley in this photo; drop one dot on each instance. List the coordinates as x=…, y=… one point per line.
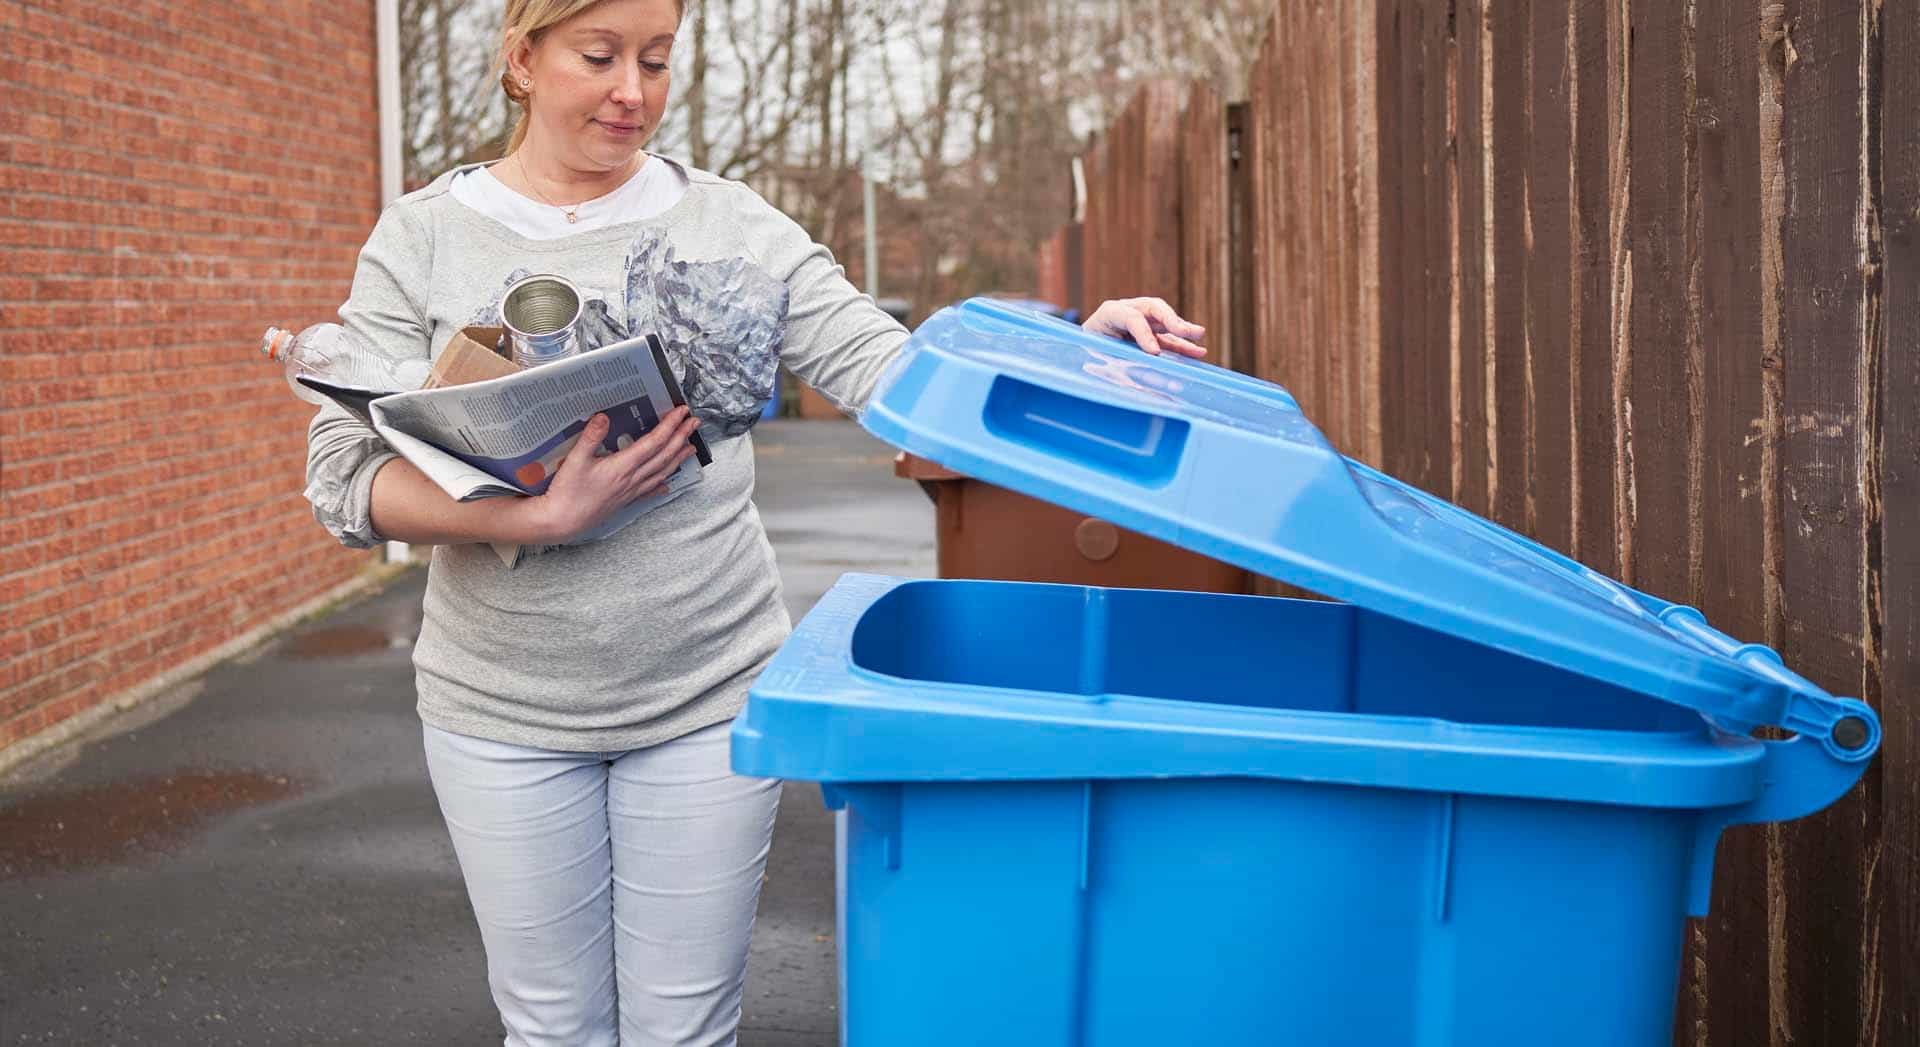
x=256, y=858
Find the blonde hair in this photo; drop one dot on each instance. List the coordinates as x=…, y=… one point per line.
x=529, y=20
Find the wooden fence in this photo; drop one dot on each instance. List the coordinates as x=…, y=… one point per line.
x=1638, y=278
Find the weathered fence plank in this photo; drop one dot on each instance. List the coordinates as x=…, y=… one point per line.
x=1661, y=443
x=1895, y=937
x=1550, y=267
x=1830, y=313
x=1205, y=283
x=1471, y=310
x=1597, y=123
x=1510, y=407
x=1725, y=1000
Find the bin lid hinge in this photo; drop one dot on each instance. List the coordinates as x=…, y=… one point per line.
x=1848, y=729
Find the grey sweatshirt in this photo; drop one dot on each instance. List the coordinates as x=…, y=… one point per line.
x=658, y=630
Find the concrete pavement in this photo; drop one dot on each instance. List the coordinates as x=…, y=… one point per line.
x=257, y=858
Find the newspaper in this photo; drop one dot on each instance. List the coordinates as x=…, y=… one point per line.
x=506, y=436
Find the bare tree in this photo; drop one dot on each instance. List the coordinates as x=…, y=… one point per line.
x=755, y=94
x=970, y=109
x=452, y=109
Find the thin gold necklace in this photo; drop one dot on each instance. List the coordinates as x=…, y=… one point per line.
x=572, y=213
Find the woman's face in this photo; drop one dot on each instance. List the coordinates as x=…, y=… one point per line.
x=599, y=82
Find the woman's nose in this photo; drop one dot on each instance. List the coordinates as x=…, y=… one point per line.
x=628, y=91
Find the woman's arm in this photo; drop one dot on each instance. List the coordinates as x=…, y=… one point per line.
x=382, y=314
x=839, y=342
x=587, y=488
x=834, y=338
x=408, y=507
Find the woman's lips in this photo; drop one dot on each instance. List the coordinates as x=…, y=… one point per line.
x=619, y=128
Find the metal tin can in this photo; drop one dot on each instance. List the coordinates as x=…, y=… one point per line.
x=542, y=317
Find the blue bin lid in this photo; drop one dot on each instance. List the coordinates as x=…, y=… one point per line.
x=1229, y=466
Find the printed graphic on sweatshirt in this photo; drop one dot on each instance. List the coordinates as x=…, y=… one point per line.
x=722, y=323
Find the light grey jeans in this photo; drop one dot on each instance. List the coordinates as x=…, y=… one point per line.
x=615, y=891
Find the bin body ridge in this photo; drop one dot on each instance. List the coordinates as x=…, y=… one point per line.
x=1242, y=911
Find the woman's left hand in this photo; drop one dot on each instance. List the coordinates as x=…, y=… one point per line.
x=1149, y=322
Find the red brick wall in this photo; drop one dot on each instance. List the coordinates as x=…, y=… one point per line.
x=175, y=175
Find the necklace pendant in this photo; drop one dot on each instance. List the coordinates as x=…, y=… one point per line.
x=572, y=217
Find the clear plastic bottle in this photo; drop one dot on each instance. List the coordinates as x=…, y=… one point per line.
x=327, y=352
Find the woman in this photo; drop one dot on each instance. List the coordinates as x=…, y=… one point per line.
x=576, y=708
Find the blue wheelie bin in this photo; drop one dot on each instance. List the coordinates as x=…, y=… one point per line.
x=1471, y=803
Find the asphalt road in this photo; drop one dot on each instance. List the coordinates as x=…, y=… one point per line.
x=257, y=858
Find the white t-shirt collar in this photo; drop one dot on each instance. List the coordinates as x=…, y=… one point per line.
x=652, y=190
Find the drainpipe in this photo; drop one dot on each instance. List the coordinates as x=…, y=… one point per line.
x=867, y=202
x=873, y=237
x=387, y=45
x=1079, y=189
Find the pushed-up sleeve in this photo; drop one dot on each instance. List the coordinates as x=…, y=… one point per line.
x=383, y=314
x=838, y=340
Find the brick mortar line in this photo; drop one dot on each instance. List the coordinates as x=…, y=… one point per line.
x=133, y=209
x=198, y=60
x=250, y=510
x=166, y=612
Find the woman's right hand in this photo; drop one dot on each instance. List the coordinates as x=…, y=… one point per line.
x=588, y=487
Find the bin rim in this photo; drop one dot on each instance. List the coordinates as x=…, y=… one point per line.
x=1165, y=445
x=814, y=714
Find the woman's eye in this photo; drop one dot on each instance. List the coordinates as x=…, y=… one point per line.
x=654, y=67
x=602, y=60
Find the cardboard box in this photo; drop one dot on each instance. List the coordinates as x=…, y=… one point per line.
x=470, y=357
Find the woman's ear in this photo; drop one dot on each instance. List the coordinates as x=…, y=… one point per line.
x=520, y=59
